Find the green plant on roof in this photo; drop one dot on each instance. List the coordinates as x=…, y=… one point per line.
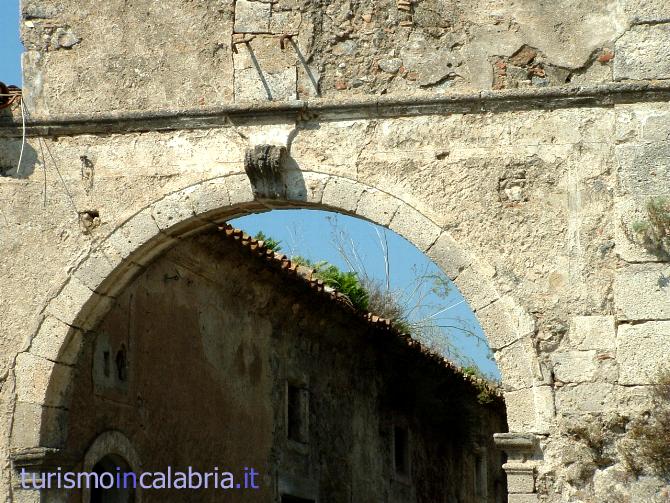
x=347, y=283
x=485, y=393
x=272, y=244
x=654, y=232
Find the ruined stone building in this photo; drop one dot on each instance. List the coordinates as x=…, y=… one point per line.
x=517, y=143
x=221, y=355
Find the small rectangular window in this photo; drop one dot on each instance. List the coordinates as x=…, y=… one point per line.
x=401, y=450
x=297, y=413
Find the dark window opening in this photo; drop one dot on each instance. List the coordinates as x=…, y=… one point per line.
x=480, y=476
x=115, y=466
x=287, y=498
x=297, y=413
x=121, y=364
x=401, y=450
x=105, y=360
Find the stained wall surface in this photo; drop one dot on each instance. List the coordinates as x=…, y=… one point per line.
x=211, y=339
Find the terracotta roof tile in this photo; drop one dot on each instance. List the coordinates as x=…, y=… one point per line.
x=307, y=275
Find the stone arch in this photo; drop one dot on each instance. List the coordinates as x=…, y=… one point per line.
x=43, y=371
x=112, y=443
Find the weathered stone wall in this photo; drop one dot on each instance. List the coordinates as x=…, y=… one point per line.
x=525, y=197
x=211, y=336
x=89, y=58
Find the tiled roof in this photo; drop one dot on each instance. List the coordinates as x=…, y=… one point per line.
x=307, y=275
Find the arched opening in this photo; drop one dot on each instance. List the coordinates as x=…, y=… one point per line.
x=101, y=280
x=111, y=469
x=226, y=352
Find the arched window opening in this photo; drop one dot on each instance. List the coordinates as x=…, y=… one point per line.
x=112, y=484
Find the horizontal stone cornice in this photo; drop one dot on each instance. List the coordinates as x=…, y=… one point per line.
x=330, y=109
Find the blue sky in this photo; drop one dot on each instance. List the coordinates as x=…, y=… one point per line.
x=317, y=235
x=10, y=45
x=312, y=234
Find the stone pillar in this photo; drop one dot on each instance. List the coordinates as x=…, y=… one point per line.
x=521, y=450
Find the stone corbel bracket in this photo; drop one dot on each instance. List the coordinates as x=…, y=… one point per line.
x=521, y=450
x=265, y=166
x=40, y=460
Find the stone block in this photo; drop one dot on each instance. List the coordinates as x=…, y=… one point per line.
x=41, y=381
x=478, y=291
x=57, y=341
x=520, y=406
x=585, y=398
x=545, y=409
x=647, y=11
x=95, y=269
x=137, y=231
x=305, y=186
x=515, y=363
x=642, y=351
x=377, y=206
x=240, y=189
x=413, y=226
x=593, y=332
x=342, y=194
x=644, y=169
x=530, y=409
x=285, y=21
x=68, y=305
x=21, y=495
x=28, y=417
x=520, y=478
x=255, y=84
x=449, y=256
x=167, y=212
x=655, y=125
x=252, y=16
x=643, y=52
x=504, y=322
x=210, y=196
x=574, y=366
x=634, y=400
x=642, y=292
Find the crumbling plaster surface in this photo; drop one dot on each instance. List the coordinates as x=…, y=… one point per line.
x=173, y=54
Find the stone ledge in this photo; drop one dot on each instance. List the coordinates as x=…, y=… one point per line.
x=516, y=442
x=569, y=96
x=38, y=459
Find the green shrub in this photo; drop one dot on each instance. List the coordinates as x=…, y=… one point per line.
x=649, y=446
x=654, y=232
x=272, y=244
x=347, y=283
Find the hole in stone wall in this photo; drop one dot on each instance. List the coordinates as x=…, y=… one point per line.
x=89, y=220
